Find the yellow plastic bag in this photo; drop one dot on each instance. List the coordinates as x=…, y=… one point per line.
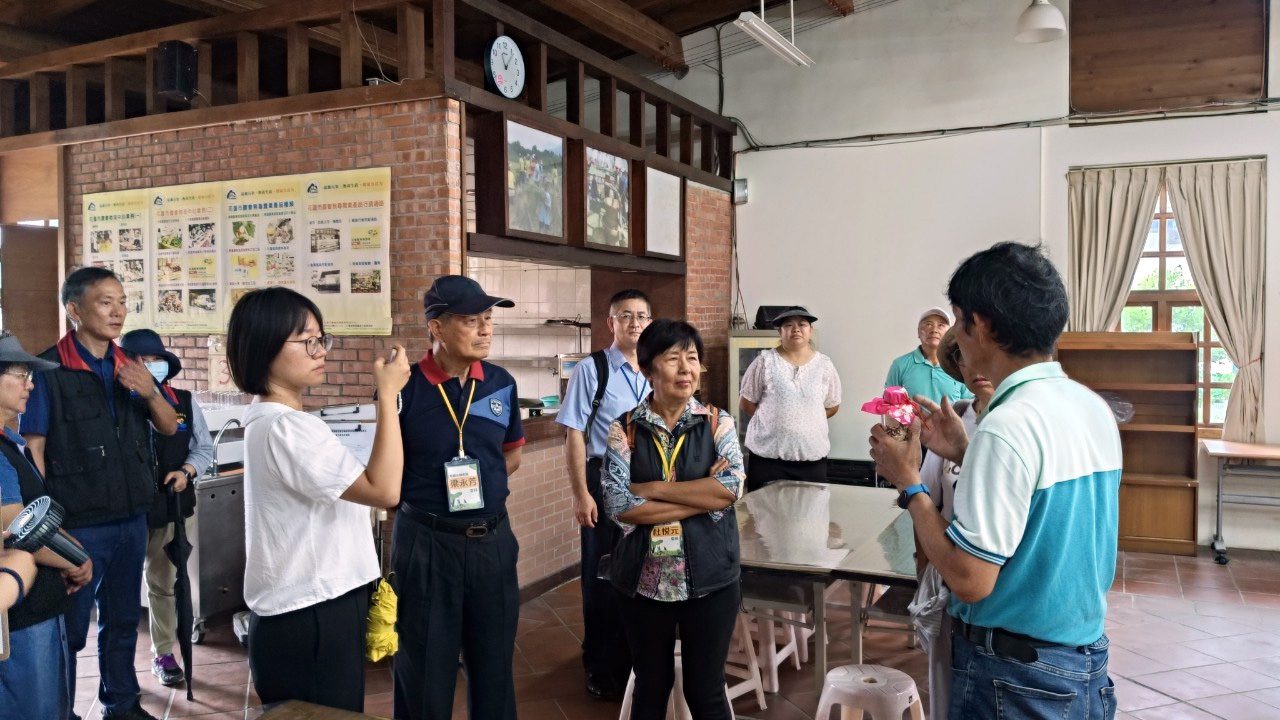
x=380, y=637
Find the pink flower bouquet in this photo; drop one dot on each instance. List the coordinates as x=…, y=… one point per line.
x=896, y=409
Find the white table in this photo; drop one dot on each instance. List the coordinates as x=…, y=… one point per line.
x=810, y=535
x=1235, y=459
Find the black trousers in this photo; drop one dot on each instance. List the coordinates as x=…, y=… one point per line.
x=763, y=470
x=314, y=654
x=705, y=628
x=456, y=594
x=605, y=653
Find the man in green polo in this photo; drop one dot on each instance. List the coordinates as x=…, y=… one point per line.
x=918, y=371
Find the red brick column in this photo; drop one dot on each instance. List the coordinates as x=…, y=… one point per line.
x=708, y=286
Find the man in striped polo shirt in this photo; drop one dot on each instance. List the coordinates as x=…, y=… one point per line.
x=1031, y=552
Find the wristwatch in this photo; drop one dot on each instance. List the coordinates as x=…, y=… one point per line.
x=192, y=476
x=904, y=497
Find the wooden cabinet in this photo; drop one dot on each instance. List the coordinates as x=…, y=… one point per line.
x=1157, y=373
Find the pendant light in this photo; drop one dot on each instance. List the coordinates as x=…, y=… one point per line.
x=1041, y=22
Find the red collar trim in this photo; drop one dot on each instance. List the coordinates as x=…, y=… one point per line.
x=70, y=358
x=436, y=375
x=169, y=394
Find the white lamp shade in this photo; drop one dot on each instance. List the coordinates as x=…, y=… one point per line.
x=1041, y=22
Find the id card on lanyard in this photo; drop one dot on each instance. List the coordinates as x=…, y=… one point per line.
x=667, y=539
x=462, y=474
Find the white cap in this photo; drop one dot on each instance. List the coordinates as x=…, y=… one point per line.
x=937, y=311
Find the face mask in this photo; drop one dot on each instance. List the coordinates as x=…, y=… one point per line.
x=159, y=370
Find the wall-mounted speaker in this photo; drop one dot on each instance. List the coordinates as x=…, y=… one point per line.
x=175, y=70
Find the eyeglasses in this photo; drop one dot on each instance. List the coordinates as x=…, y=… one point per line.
x=314, y=344
x=26, y=375
x=626, y=318
x=956, y=356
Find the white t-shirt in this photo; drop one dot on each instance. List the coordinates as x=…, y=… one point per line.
x=940, y=475
x=303, y=543
x=791, y=420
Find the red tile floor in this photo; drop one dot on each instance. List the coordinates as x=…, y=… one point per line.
x=1190, y=639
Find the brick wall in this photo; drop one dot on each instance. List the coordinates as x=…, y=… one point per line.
x=419, y=140
x=709, y=254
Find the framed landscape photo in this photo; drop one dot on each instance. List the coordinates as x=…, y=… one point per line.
x=664, y=214
x=520, y=180
x=608, y=201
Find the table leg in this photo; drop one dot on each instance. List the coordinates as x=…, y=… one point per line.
x=1220, y=545
x=820, y=633
x=857, y=605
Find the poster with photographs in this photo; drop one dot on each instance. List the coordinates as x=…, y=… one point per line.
x=347, y=270
x=186, y=225
x=261, y=217
x=608, y=200
x=187, y=253
x=535, y=181
x=664, y=213
x=116, y=226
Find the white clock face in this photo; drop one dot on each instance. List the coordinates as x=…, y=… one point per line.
x=506, y=67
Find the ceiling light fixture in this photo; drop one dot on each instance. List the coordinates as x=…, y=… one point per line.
x=1041, y=22
x=755, y=26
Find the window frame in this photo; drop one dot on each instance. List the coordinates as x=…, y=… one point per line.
x=1163, y=302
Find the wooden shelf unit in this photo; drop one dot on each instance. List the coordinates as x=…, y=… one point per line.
x=1157, y=373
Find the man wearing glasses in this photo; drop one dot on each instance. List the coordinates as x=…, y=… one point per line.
x=86, y=428
x=453, y=550
x=602, y=388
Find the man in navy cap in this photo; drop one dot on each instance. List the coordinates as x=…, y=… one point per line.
x=453, y=551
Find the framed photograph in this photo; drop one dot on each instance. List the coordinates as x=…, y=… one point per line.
x=664, y=214
x=520, y=180
x=608, y=201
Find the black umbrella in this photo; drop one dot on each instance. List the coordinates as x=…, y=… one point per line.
x=179, y=549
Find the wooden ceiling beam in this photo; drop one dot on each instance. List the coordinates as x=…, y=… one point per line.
x=25, y=13
x=627, y=26
x=16, y=42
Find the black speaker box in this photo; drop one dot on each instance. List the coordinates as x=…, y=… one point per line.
x=175, y=70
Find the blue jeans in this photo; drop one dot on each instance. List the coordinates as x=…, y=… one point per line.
x=1064, y=683
x=34, y=682
x=117, y=550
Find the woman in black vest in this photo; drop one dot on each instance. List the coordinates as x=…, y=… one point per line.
x=180, y=457
x=672, y=472
x=33, y=681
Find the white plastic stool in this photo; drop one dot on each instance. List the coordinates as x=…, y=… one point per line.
x=677, y=708
x=884, y=692
x=744, y=664
x=778, y=642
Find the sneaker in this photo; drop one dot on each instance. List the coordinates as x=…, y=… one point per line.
x=134, y=713
x=166, y=669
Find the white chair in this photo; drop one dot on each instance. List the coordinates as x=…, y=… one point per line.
x=743, y=663
x=883, y=692
x=778, y=642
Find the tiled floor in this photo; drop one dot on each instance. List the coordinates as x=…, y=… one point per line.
x=1190, y=639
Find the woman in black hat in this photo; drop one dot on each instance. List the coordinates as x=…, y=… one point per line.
x=179, y=459
x=33, y=681
x=789, y=392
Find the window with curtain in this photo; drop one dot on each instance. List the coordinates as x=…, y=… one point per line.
x=1163, y=297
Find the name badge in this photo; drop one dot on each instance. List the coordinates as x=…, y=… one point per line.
x=462, y=479
x=666, y=540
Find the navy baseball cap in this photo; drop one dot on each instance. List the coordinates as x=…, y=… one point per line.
x=459, y=295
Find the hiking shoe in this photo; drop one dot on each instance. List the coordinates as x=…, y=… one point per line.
x=166, y=670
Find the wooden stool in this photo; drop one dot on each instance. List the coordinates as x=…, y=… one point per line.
x=883, y=692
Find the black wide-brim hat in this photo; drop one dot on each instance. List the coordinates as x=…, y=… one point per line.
x=11, y=352
x=146, y=342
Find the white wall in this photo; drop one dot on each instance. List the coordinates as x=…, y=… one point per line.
x=866, y=239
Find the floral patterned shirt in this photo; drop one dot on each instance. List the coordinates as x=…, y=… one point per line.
x=664, y=578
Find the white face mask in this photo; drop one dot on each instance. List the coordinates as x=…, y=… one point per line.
x=159, y=369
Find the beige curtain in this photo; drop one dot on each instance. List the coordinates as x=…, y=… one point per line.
x=1110, y=211
x=1221, y=211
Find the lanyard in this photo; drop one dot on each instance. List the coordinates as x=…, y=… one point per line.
x=636, y=385
x=453, y=414
x=669, y=461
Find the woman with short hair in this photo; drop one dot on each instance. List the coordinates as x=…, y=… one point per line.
x=309, y=552
x=672, y=471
